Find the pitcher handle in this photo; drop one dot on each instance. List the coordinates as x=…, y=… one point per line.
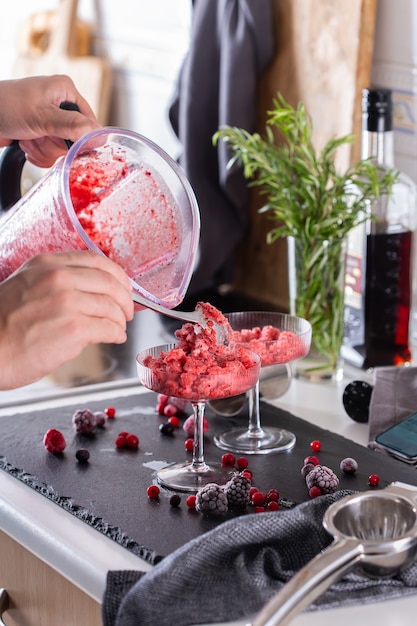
x=12, y=160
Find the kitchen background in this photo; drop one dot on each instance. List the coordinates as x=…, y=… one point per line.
x=145, y=43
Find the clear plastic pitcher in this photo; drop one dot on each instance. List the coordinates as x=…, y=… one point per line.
x=114, y=192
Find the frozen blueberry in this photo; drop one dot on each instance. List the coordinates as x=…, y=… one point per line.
x=166, y=429
x=82, y=455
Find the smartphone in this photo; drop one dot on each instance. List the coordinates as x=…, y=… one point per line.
x=401, y=440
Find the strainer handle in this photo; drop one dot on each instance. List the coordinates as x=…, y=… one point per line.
x=309, y=583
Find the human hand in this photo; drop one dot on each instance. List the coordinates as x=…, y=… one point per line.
x=30, y=113
x=53, y=307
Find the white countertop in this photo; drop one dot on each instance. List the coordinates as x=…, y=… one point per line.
x=83, y=555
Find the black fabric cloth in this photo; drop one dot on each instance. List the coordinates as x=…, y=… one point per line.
x=231, y=44
x=393, y=398
x=232, y=571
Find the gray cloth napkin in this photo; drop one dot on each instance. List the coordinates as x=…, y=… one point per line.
x=233, y=570
x=393, y=398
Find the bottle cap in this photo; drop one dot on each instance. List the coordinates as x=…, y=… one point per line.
x=377, y=110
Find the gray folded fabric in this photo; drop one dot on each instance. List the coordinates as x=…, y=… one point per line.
x=393, y=398
x=232, y=571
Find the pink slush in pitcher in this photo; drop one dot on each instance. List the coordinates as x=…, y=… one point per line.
x=114, y=192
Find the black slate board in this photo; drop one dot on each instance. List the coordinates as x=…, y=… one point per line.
x=109, y=493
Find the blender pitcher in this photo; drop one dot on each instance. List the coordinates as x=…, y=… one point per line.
x=116, y=193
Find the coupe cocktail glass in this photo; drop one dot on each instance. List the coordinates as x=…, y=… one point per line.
x=192, y=475
x=293, y=343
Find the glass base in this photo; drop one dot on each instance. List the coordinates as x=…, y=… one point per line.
x=268, y=440
x=183, y=477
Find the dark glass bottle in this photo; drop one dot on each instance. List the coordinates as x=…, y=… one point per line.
x=378, y=265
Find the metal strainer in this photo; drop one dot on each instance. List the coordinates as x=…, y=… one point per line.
x=374, y=530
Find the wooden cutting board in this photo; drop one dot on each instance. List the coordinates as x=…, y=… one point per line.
x=58, y=43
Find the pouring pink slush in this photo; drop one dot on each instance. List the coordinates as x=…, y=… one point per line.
x=116, y=193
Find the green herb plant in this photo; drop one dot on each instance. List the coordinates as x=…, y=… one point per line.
x=309, y=200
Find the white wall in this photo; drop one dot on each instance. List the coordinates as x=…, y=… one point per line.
x=145, y=42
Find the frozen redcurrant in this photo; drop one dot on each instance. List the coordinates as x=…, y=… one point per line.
x=242, y=462
x=110, y=411
x=272, y=495
x=190, y=502
x=120, y=441
x=153, y=492
x=373, y=480
x=272, y=506
x=258, y=498
x=315, y=445
x=174, y=420
x=314, y=492
x=132, y=441
x=311, y=459
x=228, y=459
x=189, y=444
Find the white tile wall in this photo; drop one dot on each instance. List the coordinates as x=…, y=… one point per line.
x=145, y=42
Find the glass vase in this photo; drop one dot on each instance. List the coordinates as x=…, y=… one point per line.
x=316, y=289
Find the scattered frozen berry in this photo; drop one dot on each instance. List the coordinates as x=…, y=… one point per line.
x=248, y=473
x=82, y=455
x=190, y=502
x=258, y=498
x=153, y=492
x=315, y=445
x=349, y=465
x=356, y=400
x=259, y=509
x=322, y=477
x=242, y=463
x=84, y=421
x=252, y=490
x=175, y=500
x=228, y=459
x=120, y=441
x=237, y=491
x=166, y=429
x=272, y=506
x=188, y=426
x=54, y=441
x=373, y=480
x=211, y=500
x=189, y=444
x=170, y=410
x=174, y=420
x=311, y=459
x=100, y=418
x=272, y=495
x=314, y=492
x=132, y=441
x=110, y=411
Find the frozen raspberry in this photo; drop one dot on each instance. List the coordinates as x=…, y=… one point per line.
x=82, y=455
x=54, y=441
x=100, y=418
x=188, y=426
x=349, y=465
x=237, y=491
x=211, y=500
x=84, y=421
x=322, y=477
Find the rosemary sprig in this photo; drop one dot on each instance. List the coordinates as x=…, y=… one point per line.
x=308, y=199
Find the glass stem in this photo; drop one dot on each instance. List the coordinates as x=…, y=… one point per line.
x=198, y=464
x=254, y=429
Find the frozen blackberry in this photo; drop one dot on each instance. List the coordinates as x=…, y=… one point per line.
x=211, y=500
x=237, y=491
x=84, y=421
x=322, y=477
x=356, y=400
